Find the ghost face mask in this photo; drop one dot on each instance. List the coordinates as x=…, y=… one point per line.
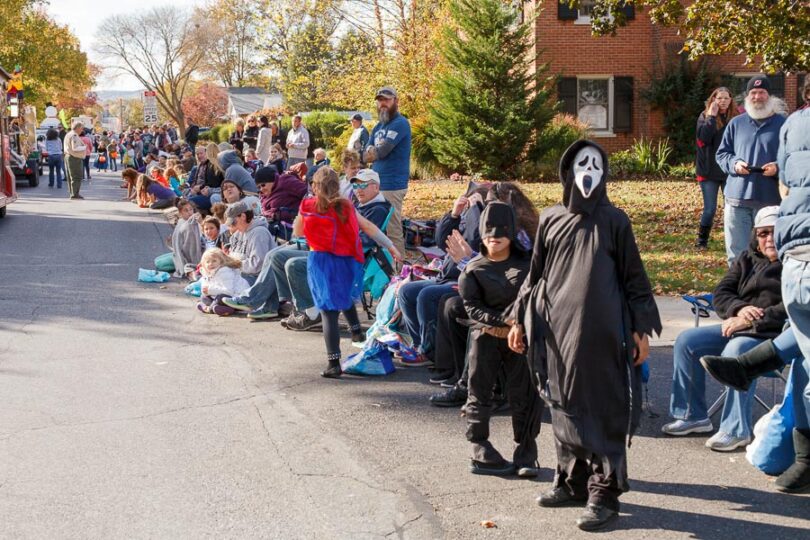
x=589, y=169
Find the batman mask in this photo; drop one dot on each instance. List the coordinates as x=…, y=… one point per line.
x=497, y=221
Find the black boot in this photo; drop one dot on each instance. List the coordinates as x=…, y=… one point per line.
x=797, y=478
x=740, y=372
x=332, y=370
x=702, y=241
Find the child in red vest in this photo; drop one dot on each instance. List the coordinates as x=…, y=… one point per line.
x=335, y=264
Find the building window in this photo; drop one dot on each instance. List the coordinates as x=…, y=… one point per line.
x=582, y=14
x=604, y=102
x=594, y=102
x=584, y=11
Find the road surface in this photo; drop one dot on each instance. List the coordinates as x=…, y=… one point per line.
x=126, y=413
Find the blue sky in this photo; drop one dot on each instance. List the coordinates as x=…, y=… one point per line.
x=84, y=16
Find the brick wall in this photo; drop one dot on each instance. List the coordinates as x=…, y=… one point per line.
x=635, y=51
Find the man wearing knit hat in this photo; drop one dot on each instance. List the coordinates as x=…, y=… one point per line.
x=747, y=154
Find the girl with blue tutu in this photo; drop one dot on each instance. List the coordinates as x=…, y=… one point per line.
x=335, y=265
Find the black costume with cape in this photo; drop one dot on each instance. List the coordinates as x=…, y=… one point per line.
x=586, y=294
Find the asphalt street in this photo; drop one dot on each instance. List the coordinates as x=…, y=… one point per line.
x=126, y=413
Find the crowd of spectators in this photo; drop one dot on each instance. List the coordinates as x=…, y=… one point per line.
x=279, y=237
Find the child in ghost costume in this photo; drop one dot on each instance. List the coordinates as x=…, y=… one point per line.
x=585, y=311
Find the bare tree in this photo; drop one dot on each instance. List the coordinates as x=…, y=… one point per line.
x=161, y=48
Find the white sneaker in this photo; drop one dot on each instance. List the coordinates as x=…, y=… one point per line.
x=723, y=442
x=685, y=427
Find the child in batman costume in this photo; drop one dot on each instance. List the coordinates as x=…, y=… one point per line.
x=488, y=286
x=586, y=310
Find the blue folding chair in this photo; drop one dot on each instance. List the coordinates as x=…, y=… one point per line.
x=378, y=270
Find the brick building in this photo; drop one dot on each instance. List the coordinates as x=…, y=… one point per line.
x=601, y=78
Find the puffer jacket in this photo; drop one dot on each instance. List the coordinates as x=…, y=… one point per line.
x=227, y=281
x=793, y=225
x=753, y=280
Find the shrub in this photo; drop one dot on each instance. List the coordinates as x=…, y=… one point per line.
x=424, y=164
x=559, y=134
x=679, y=90
x=683, y=170
x=325, y=127
x=644, y=157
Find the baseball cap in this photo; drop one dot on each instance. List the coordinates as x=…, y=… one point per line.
x=386, y=92
x=766, y=217
x=234, y=210
x=367, y=176
x=760, y=82
x=357, y=116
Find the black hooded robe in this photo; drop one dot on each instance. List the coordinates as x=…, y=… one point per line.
x=585, y=295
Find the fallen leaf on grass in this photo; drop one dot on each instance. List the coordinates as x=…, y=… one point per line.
x=489, y=524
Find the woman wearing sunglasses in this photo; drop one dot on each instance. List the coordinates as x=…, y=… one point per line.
x=749, y=300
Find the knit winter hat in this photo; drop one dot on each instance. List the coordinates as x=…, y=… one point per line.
x=760, y=82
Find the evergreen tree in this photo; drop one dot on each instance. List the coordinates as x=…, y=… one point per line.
x=490, y=105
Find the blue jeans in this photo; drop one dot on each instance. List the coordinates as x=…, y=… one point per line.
x=738, y=223
x=57, y=163
x=262, y=291
x=796, y=296
x=786, y=346
x=709, y=189
x=419, y=302
x=688, y=400
x=289, y=265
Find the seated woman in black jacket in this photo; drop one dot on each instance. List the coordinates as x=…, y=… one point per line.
x=749, y=300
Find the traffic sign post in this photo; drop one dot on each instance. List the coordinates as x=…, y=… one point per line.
x=150, y=107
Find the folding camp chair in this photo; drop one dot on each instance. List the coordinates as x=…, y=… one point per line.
x=701, y=306
x=378, y=270
x=282, y=229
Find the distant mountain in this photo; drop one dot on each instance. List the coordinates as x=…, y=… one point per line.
x=104, y=95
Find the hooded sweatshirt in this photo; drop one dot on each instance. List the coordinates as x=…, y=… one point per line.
x=252, y=245
x=236, y=173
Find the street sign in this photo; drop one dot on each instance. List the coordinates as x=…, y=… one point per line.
x=150, y=107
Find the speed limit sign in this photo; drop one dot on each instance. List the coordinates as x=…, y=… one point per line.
x=150, y=107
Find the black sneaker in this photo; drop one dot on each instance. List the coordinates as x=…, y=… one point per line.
x=300, y=322
x=358, y=337
x=442, y=376
x=596, y=517
x=454, y=397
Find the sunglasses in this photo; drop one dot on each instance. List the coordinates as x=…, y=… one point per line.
x=764, y=234
x=360, y=185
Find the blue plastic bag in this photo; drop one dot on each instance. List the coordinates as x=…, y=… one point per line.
x=194, y=288
x=152, y=276
x=375, y=359
x=772, y=450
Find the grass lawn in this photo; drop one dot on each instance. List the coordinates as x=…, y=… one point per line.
x=665, y=215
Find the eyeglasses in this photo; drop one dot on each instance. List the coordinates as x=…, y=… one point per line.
x=765, y=234
x=360, y=185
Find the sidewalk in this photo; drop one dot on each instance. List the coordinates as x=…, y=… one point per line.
x=676, y=316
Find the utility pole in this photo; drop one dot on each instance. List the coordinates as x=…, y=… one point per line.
x=120, y=114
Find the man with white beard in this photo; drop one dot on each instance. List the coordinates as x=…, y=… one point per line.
x=748, y=155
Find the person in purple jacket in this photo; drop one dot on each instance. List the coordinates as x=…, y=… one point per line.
x=280, y=194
